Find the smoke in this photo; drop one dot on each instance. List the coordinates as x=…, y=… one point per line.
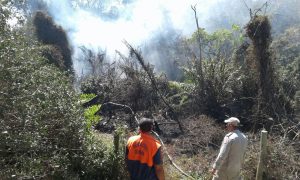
x=104, y=24
x=136, y=21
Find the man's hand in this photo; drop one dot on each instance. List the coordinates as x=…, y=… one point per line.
x=213, y=171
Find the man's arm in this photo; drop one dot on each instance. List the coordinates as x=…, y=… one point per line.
x=126, y=160
x=222, y=154
x=158, y=165
x=159, y=170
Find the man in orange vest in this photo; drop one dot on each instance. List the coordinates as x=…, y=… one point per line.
x=143, y=154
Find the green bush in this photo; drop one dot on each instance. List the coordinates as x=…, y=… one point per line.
x=41, y=123
x=102, y=160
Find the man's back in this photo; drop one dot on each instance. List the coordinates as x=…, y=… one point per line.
x=142, y=153
x=228, y=164
x=237, y=151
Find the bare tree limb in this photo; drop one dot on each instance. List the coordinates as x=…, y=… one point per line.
x=153, y=81
x=199, y=65
x=170, y=158
x=198, y=33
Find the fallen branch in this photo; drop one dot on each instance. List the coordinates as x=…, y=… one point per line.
x=170, y=158
x=153, y=81
x=110, y=106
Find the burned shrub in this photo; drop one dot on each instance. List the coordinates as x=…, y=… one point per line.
x=138, y=93
x=201, y=134
x=94, y=85
x=259, y=30
x=49, y=33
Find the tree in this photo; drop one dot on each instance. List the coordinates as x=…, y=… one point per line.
x=259, y=31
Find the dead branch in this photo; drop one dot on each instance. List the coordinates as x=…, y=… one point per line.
x=265, y=5
x=108, y=107
x=122, y=56
x=199, y=65
x=93, y=59
x=153, y=81
x=198, y=33
x=250, y=10
x=253, y=14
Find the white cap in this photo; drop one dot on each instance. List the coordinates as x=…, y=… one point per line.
x=233, y=120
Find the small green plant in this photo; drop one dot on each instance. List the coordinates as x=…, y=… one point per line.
x=86, y=97
x=90, y=117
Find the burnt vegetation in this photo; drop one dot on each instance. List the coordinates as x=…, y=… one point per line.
x=58, y=50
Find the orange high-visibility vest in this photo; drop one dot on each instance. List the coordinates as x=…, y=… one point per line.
x=142, y=148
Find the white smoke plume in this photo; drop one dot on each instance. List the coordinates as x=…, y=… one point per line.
x=104, y=24
x=136, y=21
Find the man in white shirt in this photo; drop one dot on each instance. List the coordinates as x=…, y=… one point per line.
x=229, y=162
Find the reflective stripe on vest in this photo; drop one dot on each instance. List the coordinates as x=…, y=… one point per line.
x=142, y=148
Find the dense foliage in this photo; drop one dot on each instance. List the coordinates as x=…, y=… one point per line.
x=38, y=112
x=42, y=128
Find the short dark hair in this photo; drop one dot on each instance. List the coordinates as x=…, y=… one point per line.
x=146, y=124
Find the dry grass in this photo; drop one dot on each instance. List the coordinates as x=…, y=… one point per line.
x=194, y=153
x=196, y=149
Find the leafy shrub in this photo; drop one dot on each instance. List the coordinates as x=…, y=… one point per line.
x=41, y=124
x=224, y=86
x=53, y=55
x=177, y=87
x=101, y=159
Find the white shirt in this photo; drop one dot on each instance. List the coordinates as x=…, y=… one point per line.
x=232, y=152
